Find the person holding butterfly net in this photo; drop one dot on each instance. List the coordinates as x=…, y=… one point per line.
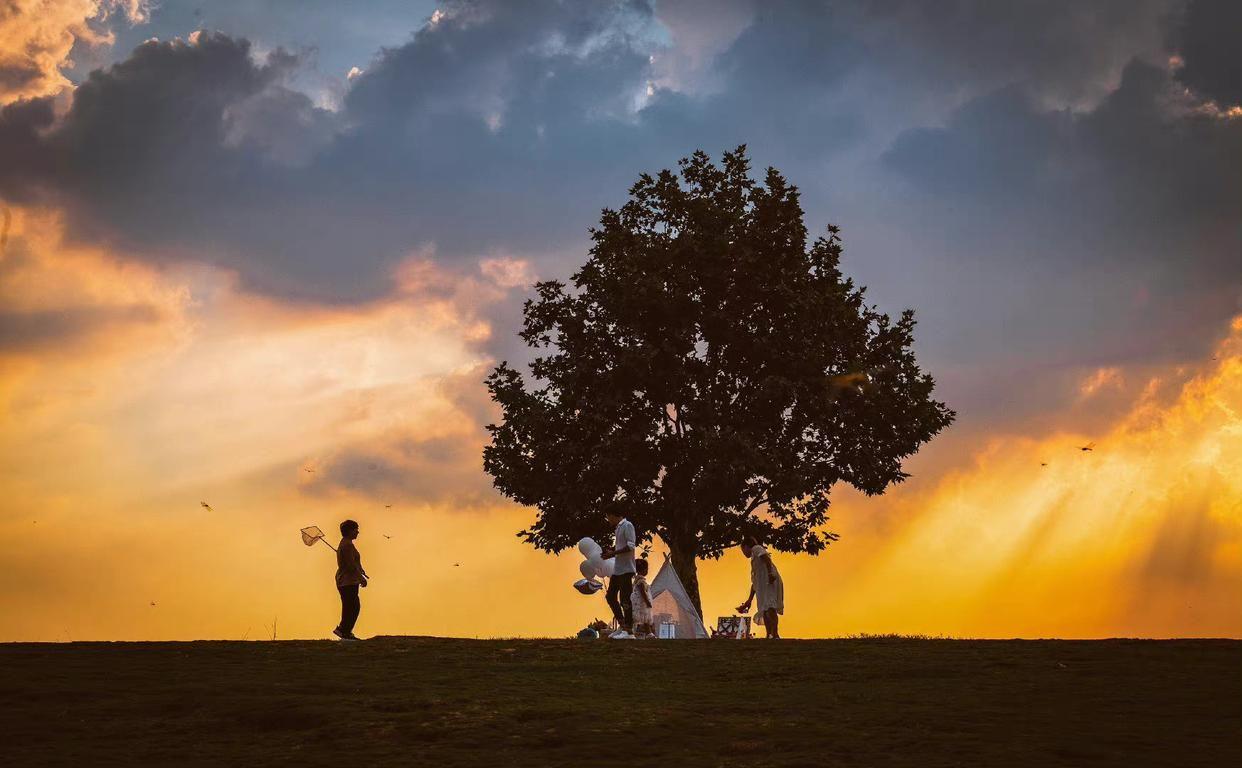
x=349, y=578
x=349, y=573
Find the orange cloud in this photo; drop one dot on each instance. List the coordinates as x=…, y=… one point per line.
x=37, y=37
x=155, y=389
x=1141, y=536
x=1101, y=379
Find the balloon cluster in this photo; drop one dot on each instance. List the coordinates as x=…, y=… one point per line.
x=593, y=567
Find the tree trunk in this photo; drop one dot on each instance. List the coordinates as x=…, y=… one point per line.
x=687, y=569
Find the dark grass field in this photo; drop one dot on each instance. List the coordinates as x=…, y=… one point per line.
x=416, y=701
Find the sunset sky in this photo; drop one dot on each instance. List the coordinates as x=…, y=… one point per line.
x=262, y=255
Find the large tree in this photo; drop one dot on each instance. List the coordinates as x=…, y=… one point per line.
x=710, y=372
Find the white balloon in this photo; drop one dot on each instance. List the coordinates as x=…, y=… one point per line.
x=595, y=565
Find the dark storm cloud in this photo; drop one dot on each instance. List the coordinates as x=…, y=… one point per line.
x=1128, y=160
x=162, y=155
x=342, y=35
x=1074, y=236
x=1209, y=41
x=504, y=127
x=1086, y=238
x=196, y=150
x=1129, y=192
x=26, y=162
x=1057, y=50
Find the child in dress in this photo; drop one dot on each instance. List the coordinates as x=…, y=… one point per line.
x=640, y=599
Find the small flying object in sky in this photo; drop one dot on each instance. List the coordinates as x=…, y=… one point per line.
x=386, y=536
x=1088, y=447
x=206, y=506
x=456, y=565
x=308, y=470
x=1043, y=463
x=152, y=603
x=387, y=506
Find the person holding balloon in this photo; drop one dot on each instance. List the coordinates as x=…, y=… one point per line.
x=621, y=583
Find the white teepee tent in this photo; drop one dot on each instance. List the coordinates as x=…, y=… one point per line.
x=672, y=612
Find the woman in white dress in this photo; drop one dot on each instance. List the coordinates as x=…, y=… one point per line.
x=766, y=586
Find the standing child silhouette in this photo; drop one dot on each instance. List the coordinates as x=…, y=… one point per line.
x=349, y=578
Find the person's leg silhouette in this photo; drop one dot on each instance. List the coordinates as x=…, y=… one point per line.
x=351, y=606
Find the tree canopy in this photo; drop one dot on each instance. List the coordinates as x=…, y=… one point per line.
x=710, y=372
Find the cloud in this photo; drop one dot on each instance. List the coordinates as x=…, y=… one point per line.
x=1031, y=164
x=1102, y=379
x=1100, y=235
x=170, y=152
x=498, y=127
x=1207, y=43
x=37, y=37
x=1145, y=531
x=441, y=471
x=279, y=124
x=24, y=331
x=185, y=380
x=438, y=463
x=62, y=302
x=173, y=154
x=333, y=38
x=700, y=30
x=1062, y=53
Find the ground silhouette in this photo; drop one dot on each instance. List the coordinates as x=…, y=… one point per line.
x=443, y=702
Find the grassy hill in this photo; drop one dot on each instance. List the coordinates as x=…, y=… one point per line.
x=426, y=701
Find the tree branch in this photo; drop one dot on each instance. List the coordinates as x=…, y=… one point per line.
x=759, y=500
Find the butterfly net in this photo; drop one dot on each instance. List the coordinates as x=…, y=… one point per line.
x=311, y=534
